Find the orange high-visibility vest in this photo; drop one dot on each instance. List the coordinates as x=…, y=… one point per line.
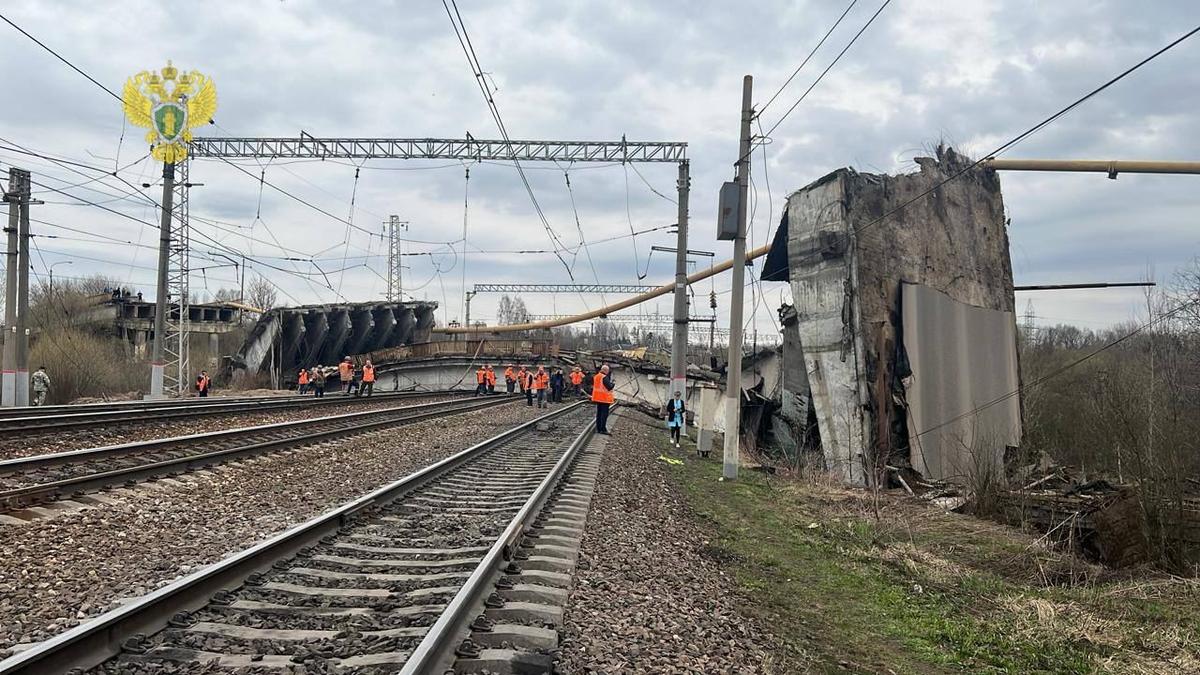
x=541, y=380
x=523, y=379
x=368, y=373
x=576, y=377
x=508, y=374
x=600, y=393
x=490, y=375
x=346, y=371
x=303, y=377
x=480, y=375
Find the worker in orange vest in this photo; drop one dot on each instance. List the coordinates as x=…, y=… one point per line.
x=577, y=381
x=368, y=379
x=602, y=396
x=480, y=380
x=541, y=380
x=346, y=373
x=490, y=379
x=510, y=378
x=302, y=382
x=522, y=377
x=203, y=383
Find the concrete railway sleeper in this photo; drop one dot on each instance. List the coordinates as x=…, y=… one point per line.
x=28, y=481
x=82, y=417
x=390, y=582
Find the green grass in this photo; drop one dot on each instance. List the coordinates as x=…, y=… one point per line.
x=918, y=591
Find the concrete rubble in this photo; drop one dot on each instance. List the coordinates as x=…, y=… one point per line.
x=899, y=297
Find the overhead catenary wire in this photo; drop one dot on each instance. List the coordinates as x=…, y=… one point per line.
x=806, y=59
x=464, y=40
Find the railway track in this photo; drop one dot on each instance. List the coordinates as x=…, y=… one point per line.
x=62, y=418
x=28, y=481
x=463, y=564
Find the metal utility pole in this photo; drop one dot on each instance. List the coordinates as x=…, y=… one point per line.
x=679, y=337
x=733, y=373
x=22, y=326
x=157, y=365
x=18, y=182
x=395, y=278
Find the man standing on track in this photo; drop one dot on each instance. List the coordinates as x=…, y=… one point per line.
x=318, y=382
x=510, y=378
x=577, y=382
x=302, y=381
x=558, y=382
x=527, y=386
x=541, y=380
x=602, y=396
x=368, y=379
x=346, y=373
x=480, y=380
x=490, y=379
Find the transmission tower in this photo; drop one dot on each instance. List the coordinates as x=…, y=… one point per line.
x=395, y=277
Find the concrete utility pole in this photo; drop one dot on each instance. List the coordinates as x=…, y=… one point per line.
x=157, y=365
x=467, y=312
x=679, y=337
x=18, y=182
x=733, y=374
x=22, y=373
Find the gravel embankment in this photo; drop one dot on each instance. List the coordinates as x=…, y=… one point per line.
x=56, y=572
x=646, y=599
x=45, y=442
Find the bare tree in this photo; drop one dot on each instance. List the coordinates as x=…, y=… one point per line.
x=261, y=293
x=511, y=311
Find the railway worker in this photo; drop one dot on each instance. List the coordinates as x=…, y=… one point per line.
x=302, y=381
x=522, y=379
x=558, y=382
x=346, y=374
x=675, y=417
x=490, y=379
x=602, y=396
x=40, y=384
x=368, y=379
x=203, y=383
x=510, y=378
x=577, y=382
x=541, y=381
x=318, y=382
x=527, y=385
x=480, y=380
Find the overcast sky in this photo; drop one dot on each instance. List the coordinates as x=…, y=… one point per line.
x=972, y=73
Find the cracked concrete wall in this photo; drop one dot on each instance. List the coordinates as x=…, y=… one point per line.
x=848, y=254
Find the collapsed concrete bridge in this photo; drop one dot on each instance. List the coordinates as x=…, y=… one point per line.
x=286, y=339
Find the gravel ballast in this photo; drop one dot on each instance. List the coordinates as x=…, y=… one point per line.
x=56, y=572
x=646, y=599
x=76, y=438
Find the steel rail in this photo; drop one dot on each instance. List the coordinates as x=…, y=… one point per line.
x=435, y=652
x=56, y=421
x=360, y=422
x=95, y=641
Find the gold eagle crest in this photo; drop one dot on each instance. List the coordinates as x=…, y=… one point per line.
x=170, y=105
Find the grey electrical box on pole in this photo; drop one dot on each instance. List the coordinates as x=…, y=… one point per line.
x=733, y=372
x=727, y=211
x=680, y=334
x=157, y=366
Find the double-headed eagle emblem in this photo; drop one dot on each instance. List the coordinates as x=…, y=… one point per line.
x=170, y=105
